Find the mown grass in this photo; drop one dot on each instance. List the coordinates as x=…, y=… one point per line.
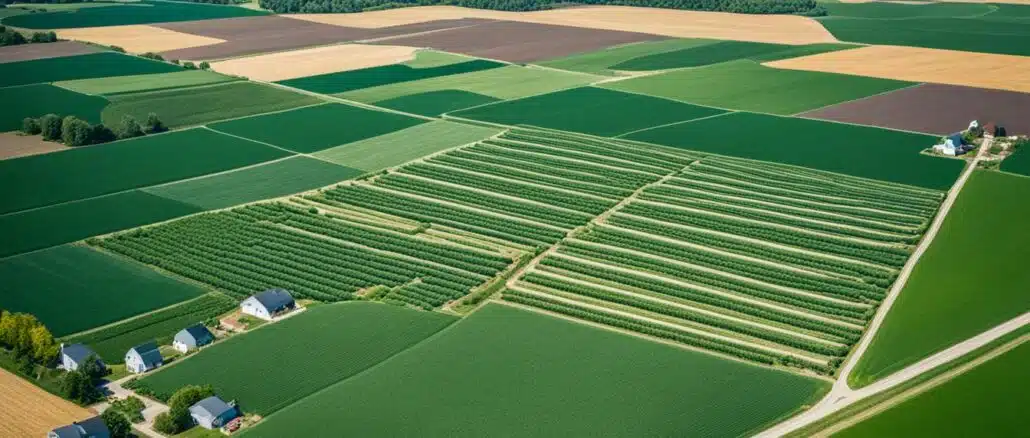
x=93, y=65
x=139, y=13
x=435, y=103
x=965, y=283
x=74, y=288
x=41, y=99
x=505, y=369
x=399, y=147
x=384, y=75
x=151, y=82
x=269, y=368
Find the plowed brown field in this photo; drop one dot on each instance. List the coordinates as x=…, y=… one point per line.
x=28, y=52
x=28, y=411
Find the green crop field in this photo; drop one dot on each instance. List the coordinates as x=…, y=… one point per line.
x=989, y=400
x=399, y=147
x=600, y=62
x=509, y=82
x=948, y=298
x=265, y=181
x=94, y=171
x=1018, y=162
x=93, y=65
x=319, y=127
x=836, y=147
x=281, y=363
x=988, y=34
x=501, y=366
x=111, y=343
x=150, y=82
x=74, y=288
x=49, y=226
x=747, y=85
x=40, y=99
x=205, y=104
x=722, y=51
x=434, y=103
x=148, y=11
x=385, y=75
x=590, y=110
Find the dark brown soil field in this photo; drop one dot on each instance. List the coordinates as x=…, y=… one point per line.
x=252, y=35
x=520, y=42
x=28, y=52
x=934, y=109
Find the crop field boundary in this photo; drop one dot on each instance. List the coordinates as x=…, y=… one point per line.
x=337, y=99
x=208, y=288
x=917, y=84
x=674, y=123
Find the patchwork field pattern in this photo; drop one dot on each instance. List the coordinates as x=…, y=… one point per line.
x=982, y=34
x=65, y=68
x=281, y=66
x=600, y=62
x=137, y=38
x=715, y=52
x=41, y=99
x=150, y=82
x=399, y=147
x=435, y=103
x=129, y=13
x=385, y=75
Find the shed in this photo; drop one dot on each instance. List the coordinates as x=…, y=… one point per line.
x=90, y=428
x=74, y=355
x=212, y=412
x=266, y=305
x=143, y=358
x=192, y=337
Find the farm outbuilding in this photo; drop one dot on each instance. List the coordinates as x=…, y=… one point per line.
x=74, y=355
x=212, y=413
x=192, y=337
x=90, y=428
x=143, y=358
x=266, y=305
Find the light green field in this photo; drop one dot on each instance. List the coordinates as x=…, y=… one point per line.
x=966, y=282
x=405, y=145
x=433, y=58
x=503, y=83
x=159, y=81
x=599, y=62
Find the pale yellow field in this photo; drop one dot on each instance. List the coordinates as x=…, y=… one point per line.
x=138, y=38
x=785, y=29
x=1002, y=72
x=27, y=411
x=315, y=61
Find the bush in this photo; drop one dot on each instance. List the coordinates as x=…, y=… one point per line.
x=75, y=132
x=152, y=55
x=129, y=128
x=205, y=66
x=116, y=424
x=43, y=37
x=30, y=126
x=50, y=127
x=165, y=424
x=178, y=419
x=118, y=49
x=154, y=124
x=189, y=65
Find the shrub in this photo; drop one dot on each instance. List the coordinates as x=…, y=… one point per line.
x=50, y=127
x=75, y=132
x=204, y=66
x=116, y=424
x=154, y=124
x=118, y=49
x=189, y=65
x=129, y=128
x=165, y=424
x=30, y=126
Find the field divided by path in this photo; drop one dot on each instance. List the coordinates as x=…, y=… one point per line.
x=941, y=304
x=407, y=144
x=146, y=82
x=722, y=51
x=436, y=103
x=600, y=62
x=94, y=65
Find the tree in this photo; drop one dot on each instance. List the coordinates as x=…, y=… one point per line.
x=154, y=124
x=189, y=65
x=204, y=66
x=165, y=424
x=50, y=127
x=30, y=126
x=129, y=128
x=101, y=134
x=180, y=402
x=74, y=131
x=116, y=423
x=78, y=387
x=44, y=348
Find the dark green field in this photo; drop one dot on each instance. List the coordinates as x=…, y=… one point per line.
x=590, y=110
x=147, y=11
x=1004, y=36
x=1019, y=163
x=434, y=103
x=388, y=74
x=320, y=127
x=898, y=10
x=98, y=170
x=723, y=51
x=281, y=363
x=836, y=147
x=93, y=65
x=40, y=99
x=199, y=105
x=74, y=288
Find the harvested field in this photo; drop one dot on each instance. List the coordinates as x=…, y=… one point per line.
x=315, y=61
x=13, y=145
x=388, y=74
x=27, y=410
x=145, y=11
x=40, y=99
x=27, y=52
x=138, y=38
x=435, y=103
x=151, y=82
x=786, y=29
x=914, y=64
x=399, y=147
x=934, y=108
x=65, y=68
x=520, y=42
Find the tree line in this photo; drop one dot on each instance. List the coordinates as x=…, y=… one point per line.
x=11, y=37
x=73, y=131
x=800, y=7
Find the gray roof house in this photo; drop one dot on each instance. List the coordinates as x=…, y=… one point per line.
x=91, y=428
x=74, y=355
x=212, y=413
x=266, y=305
x=143, y=358
x=192, y=337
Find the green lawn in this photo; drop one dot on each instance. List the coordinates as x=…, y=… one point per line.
x=278, y=364
x=965, y=283
x=526, y=374
x=589, y=110
x=204, y=104
x=316, y=128
x=271, y=180
x=836, y=147
x=722, y=51
x=148, y=11
x=151, y=82
x=989, y=400
x=435, y=103
x=388, y=74
x=749, y=86
x=405, y=145
x=93, y=65
x=1018, y=162
x=98, y=170
x=74, y=288
x=40, y=99
x=600, y=62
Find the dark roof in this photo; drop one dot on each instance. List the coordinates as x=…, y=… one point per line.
x=149, y=353
x=275, y=299
x=199, y=333
x=211, y=407
x=93, y=427
x=956, y=139
x=77, y=352
x=69, y=431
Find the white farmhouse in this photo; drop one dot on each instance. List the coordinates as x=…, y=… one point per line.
x=192, y=337
x=266, y=305
x=143, y=358
x=212, y=413
x=74, y=355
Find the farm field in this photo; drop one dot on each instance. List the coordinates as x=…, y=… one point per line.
x=352, y=337
x=407, y=144
x=28, y=52
x=722, y=51
x=137, y=38
x=41, y=99
x=803, y=142
x=1018, y=163
x=65, y=68
x=569, y=377
x=30, y=411
x=589, y=110
x=941, y=305
x=983, y=34
x=746, y=85
x=150, y=82
x=265, y=181
x=73, y=288
x=600, y=62
x=204, y=104
x=315, y=128
x=13, y=145
x=293, y=64
x=144, y=12
x=435, y=103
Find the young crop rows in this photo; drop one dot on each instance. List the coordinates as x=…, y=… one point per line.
x=766, y=262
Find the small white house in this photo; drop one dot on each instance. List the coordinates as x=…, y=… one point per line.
x=266, y=305
x=143, y=358
x=74, y=355
x=212, y=413
x=191, y=338
x=90, y=428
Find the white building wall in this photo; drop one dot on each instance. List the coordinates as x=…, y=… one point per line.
x=253, y=307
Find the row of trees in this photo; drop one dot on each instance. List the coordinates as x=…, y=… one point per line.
x=802, y=7
x=28, y=338
x=73, y=131
x=11, y=37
